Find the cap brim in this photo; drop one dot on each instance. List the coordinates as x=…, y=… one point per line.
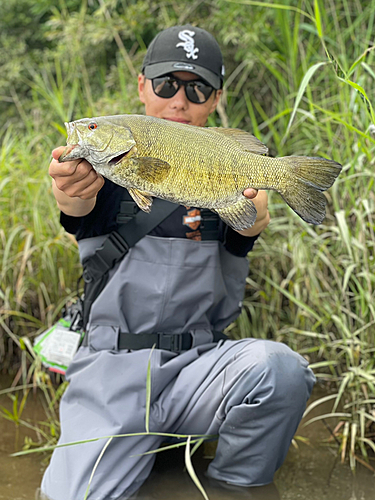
x=162, y=68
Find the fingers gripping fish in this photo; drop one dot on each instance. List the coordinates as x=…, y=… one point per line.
x=204, y=167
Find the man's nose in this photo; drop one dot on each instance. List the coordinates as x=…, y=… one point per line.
x=179, y=100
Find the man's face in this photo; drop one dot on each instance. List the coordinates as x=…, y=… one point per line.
x=177, y=108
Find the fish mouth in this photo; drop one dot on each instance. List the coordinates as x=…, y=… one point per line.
x=68, y=149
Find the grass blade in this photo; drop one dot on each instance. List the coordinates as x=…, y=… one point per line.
x=96, y=466
x=309, y=74
x=191, y=471
x=91, y=440
x=272, y=6
x=318, y=402
x=318, y=19
x=344, y=230
x=197, y=442
x=353, y=436
x=196, y=446
x=327, y=415
x=362, y=91
x=344, y=441
x=148, y=391
x=291, y=297
x=348, y=377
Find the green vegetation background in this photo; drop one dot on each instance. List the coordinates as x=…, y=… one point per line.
x=300, y=75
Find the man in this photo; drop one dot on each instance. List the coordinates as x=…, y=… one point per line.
x=176, y=282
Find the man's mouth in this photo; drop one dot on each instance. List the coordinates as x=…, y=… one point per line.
x=179, y=120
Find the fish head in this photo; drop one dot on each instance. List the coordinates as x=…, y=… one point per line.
x=100, y=141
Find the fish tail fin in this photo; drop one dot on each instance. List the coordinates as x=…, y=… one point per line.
x=308, y=178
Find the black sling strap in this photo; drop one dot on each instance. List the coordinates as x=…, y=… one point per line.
x=115, y=247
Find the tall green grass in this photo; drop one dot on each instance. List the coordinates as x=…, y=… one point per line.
x=314, y=287
x=300, y=77
x=38, y=261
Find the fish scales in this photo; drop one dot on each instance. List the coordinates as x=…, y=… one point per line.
x=213, y=176
x=198, y=166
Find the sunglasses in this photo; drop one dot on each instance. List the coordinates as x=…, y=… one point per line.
x=196, y=91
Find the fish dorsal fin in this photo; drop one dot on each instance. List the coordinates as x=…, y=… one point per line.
x=143, y=200
x=248, y=141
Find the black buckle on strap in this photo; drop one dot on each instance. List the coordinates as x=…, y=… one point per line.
x=171, y=342
x=174, y=342
x=113, y=249
x=128, y=210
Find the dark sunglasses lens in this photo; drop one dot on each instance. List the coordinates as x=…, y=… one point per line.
x=165, y=87
x=198, y=92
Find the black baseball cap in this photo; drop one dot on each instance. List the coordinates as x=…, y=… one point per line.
x=185, y=48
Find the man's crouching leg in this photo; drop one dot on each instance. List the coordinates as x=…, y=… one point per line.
x=106, y=397
x=265, y=391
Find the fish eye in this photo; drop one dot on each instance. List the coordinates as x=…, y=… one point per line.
x=92, y=126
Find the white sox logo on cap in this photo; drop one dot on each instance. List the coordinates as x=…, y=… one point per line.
x=188, y=43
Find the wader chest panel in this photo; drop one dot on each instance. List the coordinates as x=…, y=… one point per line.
x=169, y=285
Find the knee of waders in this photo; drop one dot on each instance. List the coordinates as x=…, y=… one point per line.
x=268, y=371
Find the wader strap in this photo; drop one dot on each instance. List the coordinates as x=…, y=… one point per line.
x=209, y=227
x=128, y=210
x=116, y=246
x=175, y=342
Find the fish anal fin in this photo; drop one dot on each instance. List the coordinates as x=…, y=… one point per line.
x=240, y=215
x=248, y=141
x=143, y=200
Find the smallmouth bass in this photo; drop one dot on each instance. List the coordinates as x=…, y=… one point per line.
x=205, y=167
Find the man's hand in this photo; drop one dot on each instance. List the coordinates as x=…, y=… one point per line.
x=75, y=184
x=75, y=178
x=260, y=200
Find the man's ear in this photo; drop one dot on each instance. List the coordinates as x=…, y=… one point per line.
x=141, y=86
x=218, y=94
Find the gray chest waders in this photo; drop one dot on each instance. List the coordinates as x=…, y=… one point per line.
x=250, y=392
x=133, y=226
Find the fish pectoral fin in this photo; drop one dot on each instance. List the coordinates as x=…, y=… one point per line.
x=241, y=215
x=248, y=141
x=143, y=200
x=152, y=169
